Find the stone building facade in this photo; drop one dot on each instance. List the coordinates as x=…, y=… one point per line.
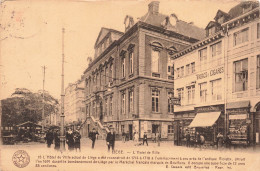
x=74, y=106
x=130, y=81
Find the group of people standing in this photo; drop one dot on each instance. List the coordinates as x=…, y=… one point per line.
x=53, y=136
x=72, y=139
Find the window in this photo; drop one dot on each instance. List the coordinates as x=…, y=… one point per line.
x=182, y=71
x=241, y=36
x=131, y=63
x=155, y=61
x=181, y=95
x=122, y=128
x=191, y=94
x=258, y=30
x=188, y=69
x=94, y=108
x=155, y=100
x=111, y=73
x=131, y=100
x=193, y=67
x=123, y=67
x=216, y=49
x=170, y=70
x=170, y=104
x=123, y=103
x=178, y=72
x=203, y=92
x=106, y=107
x=241, y=75
x=170, y=129
x=216, y=90
x=258, y=72
x=111, y=105
x=203, y=57
x=212, y=30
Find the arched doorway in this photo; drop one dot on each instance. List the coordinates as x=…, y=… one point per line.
x=257, y=124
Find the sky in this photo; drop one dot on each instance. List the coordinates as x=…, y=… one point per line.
x=31, y=35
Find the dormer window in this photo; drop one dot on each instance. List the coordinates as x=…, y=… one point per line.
x=212, y=30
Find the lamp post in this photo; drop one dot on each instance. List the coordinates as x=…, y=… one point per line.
x=62, y=133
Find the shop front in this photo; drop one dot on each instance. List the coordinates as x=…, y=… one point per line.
x=239, y=122
x=209, y=122
x=181, y=127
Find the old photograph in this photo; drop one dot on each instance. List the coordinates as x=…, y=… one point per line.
x=129, y=85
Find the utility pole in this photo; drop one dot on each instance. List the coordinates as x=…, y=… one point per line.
x=62, y=132
x=43, y=101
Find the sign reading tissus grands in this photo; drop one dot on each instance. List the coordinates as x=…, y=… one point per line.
x=210, y=73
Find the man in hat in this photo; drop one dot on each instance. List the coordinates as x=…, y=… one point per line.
x=111, y=139
x=77, y=138
x=145, y=138
x=93, y=135
x=70, y=139
x=49, y=138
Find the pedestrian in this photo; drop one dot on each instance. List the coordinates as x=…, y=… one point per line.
x=136, y=138
x=70, y=139
x=145, y=138
x=127, y=136
x=228, y=141
x=111, y=139
x=197, y=139
x=154, y=137
x=202, y=140
x=219, y=140
x=188, y=139
x=123, y=137
x=77, y=137
x=93, y=136
x=158, y=138
x=49, y=138
x=57, y=140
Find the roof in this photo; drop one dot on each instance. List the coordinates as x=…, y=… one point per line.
x=238, y=9
x=181, y=27
x=220, y=13
x=212, y=23
x=103, y=32
x=28, y=123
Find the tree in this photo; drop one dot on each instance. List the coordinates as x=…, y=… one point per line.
x=25, y=105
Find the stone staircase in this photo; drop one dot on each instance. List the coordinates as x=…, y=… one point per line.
x=98, y=125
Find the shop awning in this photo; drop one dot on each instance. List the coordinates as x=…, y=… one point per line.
x=205, y=119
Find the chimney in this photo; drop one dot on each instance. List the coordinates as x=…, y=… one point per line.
x=153, y=7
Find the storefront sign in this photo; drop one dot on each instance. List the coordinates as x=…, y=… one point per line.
x=209, y=109
x=241, y=116
x=210, y=73
x=237, y=111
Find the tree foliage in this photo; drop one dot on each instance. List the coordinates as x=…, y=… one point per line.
x=25, y=105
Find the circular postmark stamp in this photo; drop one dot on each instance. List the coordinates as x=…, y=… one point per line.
x=21, y=158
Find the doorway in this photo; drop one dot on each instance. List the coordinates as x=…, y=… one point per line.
x=130, y=131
